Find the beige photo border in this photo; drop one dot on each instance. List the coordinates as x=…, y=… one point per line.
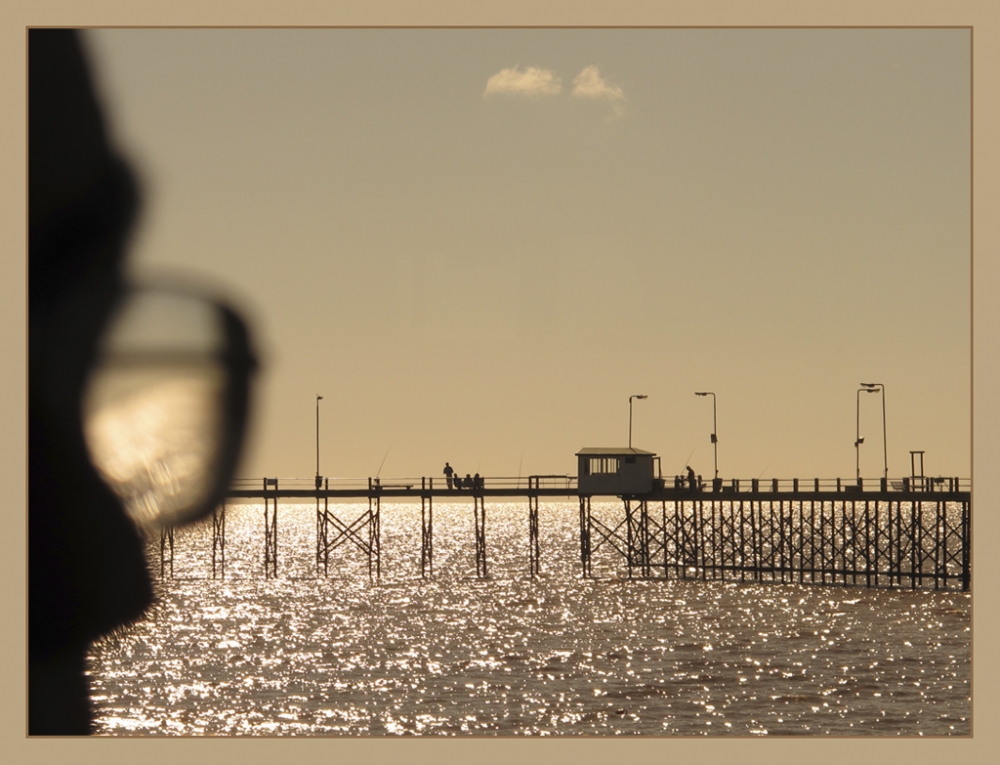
x=982, y=16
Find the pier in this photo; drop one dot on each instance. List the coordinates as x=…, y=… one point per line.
x=913, y=532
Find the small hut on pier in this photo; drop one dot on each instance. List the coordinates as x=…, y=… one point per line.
x=616, y=471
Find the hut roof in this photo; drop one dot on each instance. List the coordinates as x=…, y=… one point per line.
x=611, y=451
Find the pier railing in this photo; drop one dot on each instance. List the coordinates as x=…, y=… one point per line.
x=847, y=485
x=523, y=484
x=569, y=483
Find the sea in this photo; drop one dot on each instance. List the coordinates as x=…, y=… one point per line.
x=310, y=652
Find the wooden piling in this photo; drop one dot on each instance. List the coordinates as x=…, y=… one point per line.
x=479, y=509
x=219, y=542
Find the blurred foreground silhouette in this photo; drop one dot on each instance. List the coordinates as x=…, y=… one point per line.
x=88, y=330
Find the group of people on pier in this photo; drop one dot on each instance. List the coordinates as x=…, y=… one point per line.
x=456, y=481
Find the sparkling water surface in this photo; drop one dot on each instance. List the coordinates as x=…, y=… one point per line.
x=305, y=654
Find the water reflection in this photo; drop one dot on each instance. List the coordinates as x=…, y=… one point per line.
x=511, y=656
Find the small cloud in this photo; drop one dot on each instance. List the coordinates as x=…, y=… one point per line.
x=590, y=84
x=527, y=82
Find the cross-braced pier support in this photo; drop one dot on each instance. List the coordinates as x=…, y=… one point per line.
x=917, y=543
x=364, y=532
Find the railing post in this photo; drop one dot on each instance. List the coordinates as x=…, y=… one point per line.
x=754, y=484
x=884, y=484
x=774, y=485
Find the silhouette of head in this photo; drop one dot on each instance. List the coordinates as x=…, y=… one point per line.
x=87, y=571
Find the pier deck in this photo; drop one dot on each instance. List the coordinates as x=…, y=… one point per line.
x=913, y=532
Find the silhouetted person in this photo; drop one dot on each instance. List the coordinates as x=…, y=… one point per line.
x=448, y=472
x=458, y=482
x=468, y=482
x=477, y=481
x=87, y=570
x=692, y=479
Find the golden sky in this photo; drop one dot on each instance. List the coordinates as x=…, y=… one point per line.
x=476, y=244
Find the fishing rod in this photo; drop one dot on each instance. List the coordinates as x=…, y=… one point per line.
x=688, y=460
x=383, y=462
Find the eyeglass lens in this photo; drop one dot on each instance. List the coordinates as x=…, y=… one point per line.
x=153, y=408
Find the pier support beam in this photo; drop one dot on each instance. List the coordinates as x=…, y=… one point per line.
x=219, y=542
x=585, y=536
x=374, y=538
x=479, y=509
x=167, y=552
x=323, y=536
x=534, y=554
x=270, y=537
x=426, y=536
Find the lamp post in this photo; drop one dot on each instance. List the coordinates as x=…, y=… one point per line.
x=639, y=396
x=319, y=481
x=858, y=440
x=885, y=454
x=715, y=428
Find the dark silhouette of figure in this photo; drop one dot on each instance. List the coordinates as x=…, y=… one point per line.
x=87, y=572
x=468, y=482
x=458, y=481
x=448, y=472
x=477, y=481
x=692, y=479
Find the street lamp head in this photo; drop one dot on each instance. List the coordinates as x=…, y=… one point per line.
x=637, y=396
x=699, y=393
x=871, y=385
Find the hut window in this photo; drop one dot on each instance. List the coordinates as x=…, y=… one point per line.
x=603, y=465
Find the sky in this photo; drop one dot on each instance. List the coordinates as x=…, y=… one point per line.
x=477, y=244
